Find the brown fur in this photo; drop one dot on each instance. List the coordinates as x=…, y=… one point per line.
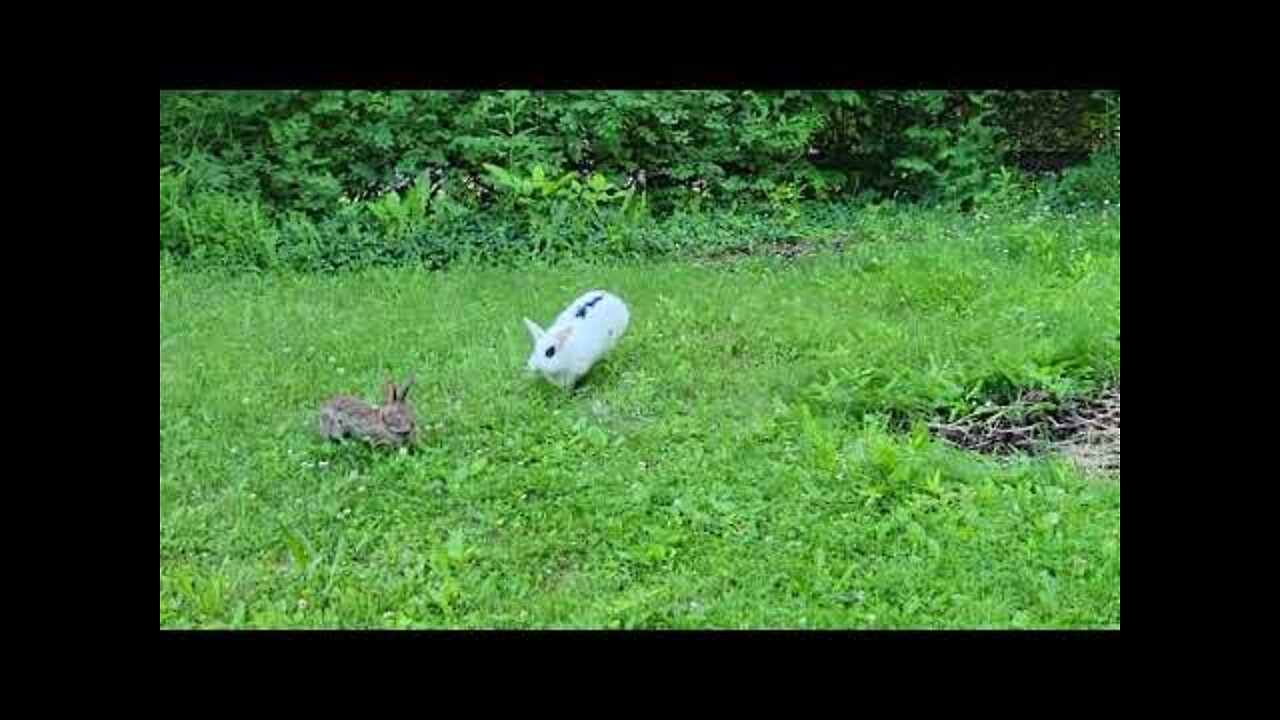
x=393, y=423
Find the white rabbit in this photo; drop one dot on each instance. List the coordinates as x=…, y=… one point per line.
x=581, y=335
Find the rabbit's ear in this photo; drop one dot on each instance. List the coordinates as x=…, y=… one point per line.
x=389, y=392
x=562, y=336
x=408, y=383
x=534, y=331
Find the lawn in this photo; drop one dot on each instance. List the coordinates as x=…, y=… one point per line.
x=753, y=454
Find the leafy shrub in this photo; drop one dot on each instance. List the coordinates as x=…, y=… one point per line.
x=212, y=228
x=1095, y=183
x=336, y=179
x=303, y=150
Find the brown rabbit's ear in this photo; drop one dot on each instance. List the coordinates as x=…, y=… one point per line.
x=389, y=392
x=408, y=383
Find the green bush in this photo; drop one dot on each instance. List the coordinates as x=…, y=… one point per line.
x=1095, y=183
x=213, y=228
x=319, y=180
x=303, y=150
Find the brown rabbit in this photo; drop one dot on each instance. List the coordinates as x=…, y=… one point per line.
x=392, y=424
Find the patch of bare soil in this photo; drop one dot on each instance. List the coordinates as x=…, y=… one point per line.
x=1086, y=430
x=788, y=248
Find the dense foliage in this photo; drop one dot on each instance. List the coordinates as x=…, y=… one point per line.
x=331, y=179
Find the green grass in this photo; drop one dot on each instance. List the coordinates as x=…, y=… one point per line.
x=750, y=456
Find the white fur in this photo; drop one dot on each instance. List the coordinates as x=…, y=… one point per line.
x=579, y=342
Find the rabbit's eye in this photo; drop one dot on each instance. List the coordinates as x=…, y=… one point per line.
x=551, y=351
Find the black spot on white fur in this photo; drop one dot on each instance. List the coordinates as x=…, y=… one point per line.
x=582, y=309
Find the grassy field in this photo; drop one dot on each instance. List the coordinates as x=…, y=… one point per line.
x=752, y=455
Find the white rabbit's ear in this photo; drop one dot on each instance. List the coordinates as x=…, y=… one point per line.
x=534, y=331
